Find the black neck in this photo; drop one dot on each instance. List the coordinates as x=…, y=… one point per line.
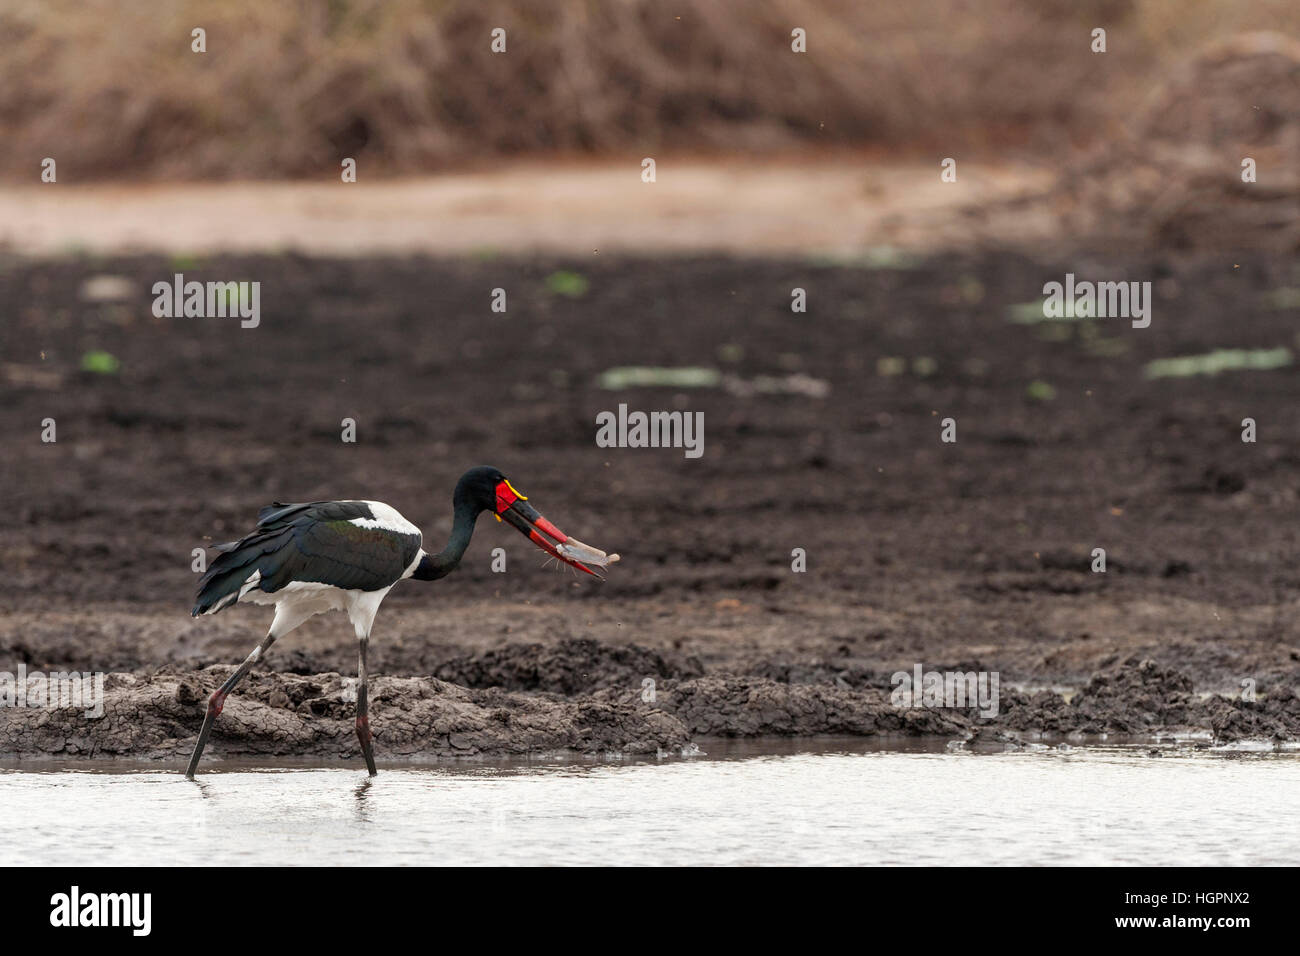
x=434, y=566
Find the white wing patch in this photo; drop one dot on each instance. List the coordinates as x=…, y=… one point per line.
x=386, y=518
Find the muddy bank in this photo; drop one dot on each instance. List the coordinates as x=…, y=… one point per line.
x=975, y=555
x=286, y=715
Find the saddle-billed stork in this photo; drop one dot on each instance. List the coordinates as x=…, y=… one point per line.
x=347, y=555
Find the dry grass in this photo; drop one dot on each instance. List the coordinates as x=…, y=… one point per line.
x=112, y=90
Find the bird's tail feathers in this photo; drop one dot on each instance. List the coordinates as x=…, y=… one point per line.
x=236, y=563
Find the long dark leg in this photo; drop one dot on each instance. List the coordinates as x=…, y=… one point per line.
x=363, y=706
x=218, y=698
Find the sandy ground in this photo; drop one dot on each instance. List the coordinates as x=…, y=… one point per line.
x=822, y=433
x=696, y=207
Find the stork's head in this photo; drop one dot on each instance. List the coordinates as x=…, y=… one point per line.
x=487, y=489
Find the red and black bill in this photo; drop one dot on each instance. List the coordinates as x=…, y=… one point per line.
x=513, y=507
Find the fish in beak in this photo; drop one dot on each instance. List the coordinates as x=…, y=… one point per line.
x=513, y=507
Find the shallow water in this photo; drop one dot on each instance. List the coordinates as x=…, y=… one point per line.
x=831, y=803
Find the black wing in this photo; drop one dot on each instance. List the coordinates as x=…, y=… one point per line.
x=314, y=542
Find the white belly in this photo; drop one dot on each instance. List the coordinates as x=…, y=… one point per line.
x=299, y=600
